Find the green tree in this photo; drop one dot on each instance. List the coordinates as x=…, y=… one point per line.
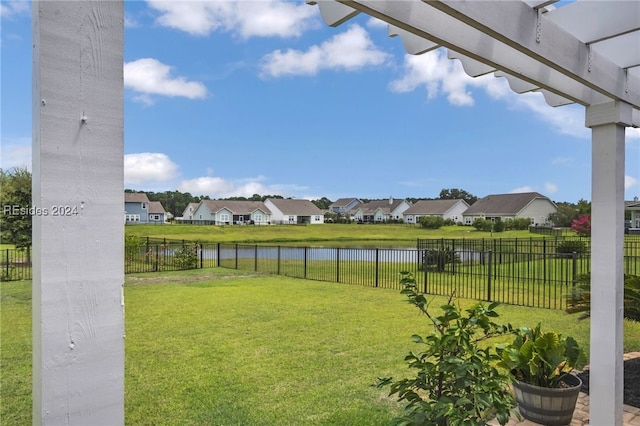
x=457, y=194
x=15, y=221
x=564, y=214
x=323, y=203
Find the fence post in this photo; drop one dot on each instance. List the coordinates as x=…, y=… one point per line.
x=278, y=260
x=201, y=256
x=338, y=265
x=489, y=274
x=574, y=272
x=7, y=264
x=377, y=265
x=155, y=266
x=305, y=262
x=255, y=257
x=236, y=255
x=218, y=255
x=453, y=257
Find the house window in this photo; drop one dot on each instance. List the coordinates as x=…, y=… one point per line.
x=258, y=218
x=155, y=217
x=224, y=217
x=318, y=219
x=292, y=218
x=144, y=206
x=133, y=218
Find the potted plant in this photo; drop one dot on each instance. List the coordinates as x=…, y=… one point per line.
x=541, y=366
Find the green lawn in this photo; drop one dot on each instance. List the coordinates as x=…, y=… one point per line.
x=378, y=235
x=219, y=346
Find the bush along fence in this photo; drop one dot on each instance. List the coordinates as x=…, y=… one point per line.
x=521, y=272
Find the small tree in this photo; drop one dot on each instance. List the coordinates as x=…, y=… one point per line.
x=582, y=225
x=455, y=382
x=15, y=221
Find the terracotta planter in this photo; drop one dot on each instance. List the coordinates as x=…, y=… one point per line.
x=548, y=406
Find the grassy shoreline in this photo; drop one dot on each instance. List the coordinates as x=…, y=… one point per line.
x=366, y=235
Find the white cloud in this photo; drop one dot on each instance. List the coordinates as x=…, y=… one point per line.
x=439, y=75
x=148, y=167
x=217, y=187
x=630, y=182
x=351, y=50
x=266, y=18
x=149, y=76
x=9, y=9
x=632, y=133
x=550, y=188
x=15, y=152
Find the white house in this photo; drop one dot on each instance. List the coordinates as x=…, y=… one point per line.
x=532, y=205
x=634, y=208
x=187, y=214
x=447, y=209
x=380, y=210
x=227, y=212
x=291, y=211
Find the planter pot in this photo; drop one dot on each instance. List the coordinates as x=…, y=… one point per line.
x=548, y=406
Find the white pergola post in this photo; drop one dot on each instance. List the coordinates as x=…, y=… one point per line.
x=78, y=223
x=607, y=122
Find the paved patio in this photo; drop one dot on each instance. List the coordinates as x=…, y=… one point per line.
x=631, y=415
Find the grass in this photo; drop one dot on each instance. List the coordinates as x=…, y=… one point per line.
x=219, y=346
x=378, y=235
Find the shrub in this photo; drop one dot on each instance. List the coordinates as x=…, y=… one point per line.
x=455, y=380
x=438, y=258
x=498, y=225
x=186, y=257
x=579, y=301
x=431, y=222
x=518, y=223
x=571, y=246
x=482, y=224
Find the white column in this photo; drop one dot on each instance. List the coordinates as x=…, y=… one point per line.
x=78, y=321
x=607, y=122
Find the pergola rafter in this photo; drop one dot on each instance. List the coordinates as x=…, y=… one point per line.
x=588, y=53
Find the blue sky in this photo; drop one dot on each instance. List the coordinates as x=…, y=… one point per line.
x=233, y=98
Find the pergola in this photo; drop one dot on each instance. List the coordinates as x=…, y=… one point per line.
x=587, y=52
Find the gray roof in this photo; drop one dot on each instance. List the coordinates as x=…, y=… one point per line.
x=296, y=207
x=155, y=207
x=433, y=206
x=504, y=204
x=343, y=202
x=236, y=207
x=135, y=197
x=387, y=206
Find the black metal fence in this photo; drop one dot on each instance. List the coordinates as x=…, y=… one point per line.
x=15, y=264
x=521, y=272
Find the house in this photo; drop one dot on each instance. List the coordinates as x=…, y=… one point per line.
x=446, y=209
x=291, y=211
x=380, y=210
x=157, y=214
x=343, y=205
x=530, y=205
x=226, y=212
x=634, y=208
x=188, y=211
x=138, y=209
